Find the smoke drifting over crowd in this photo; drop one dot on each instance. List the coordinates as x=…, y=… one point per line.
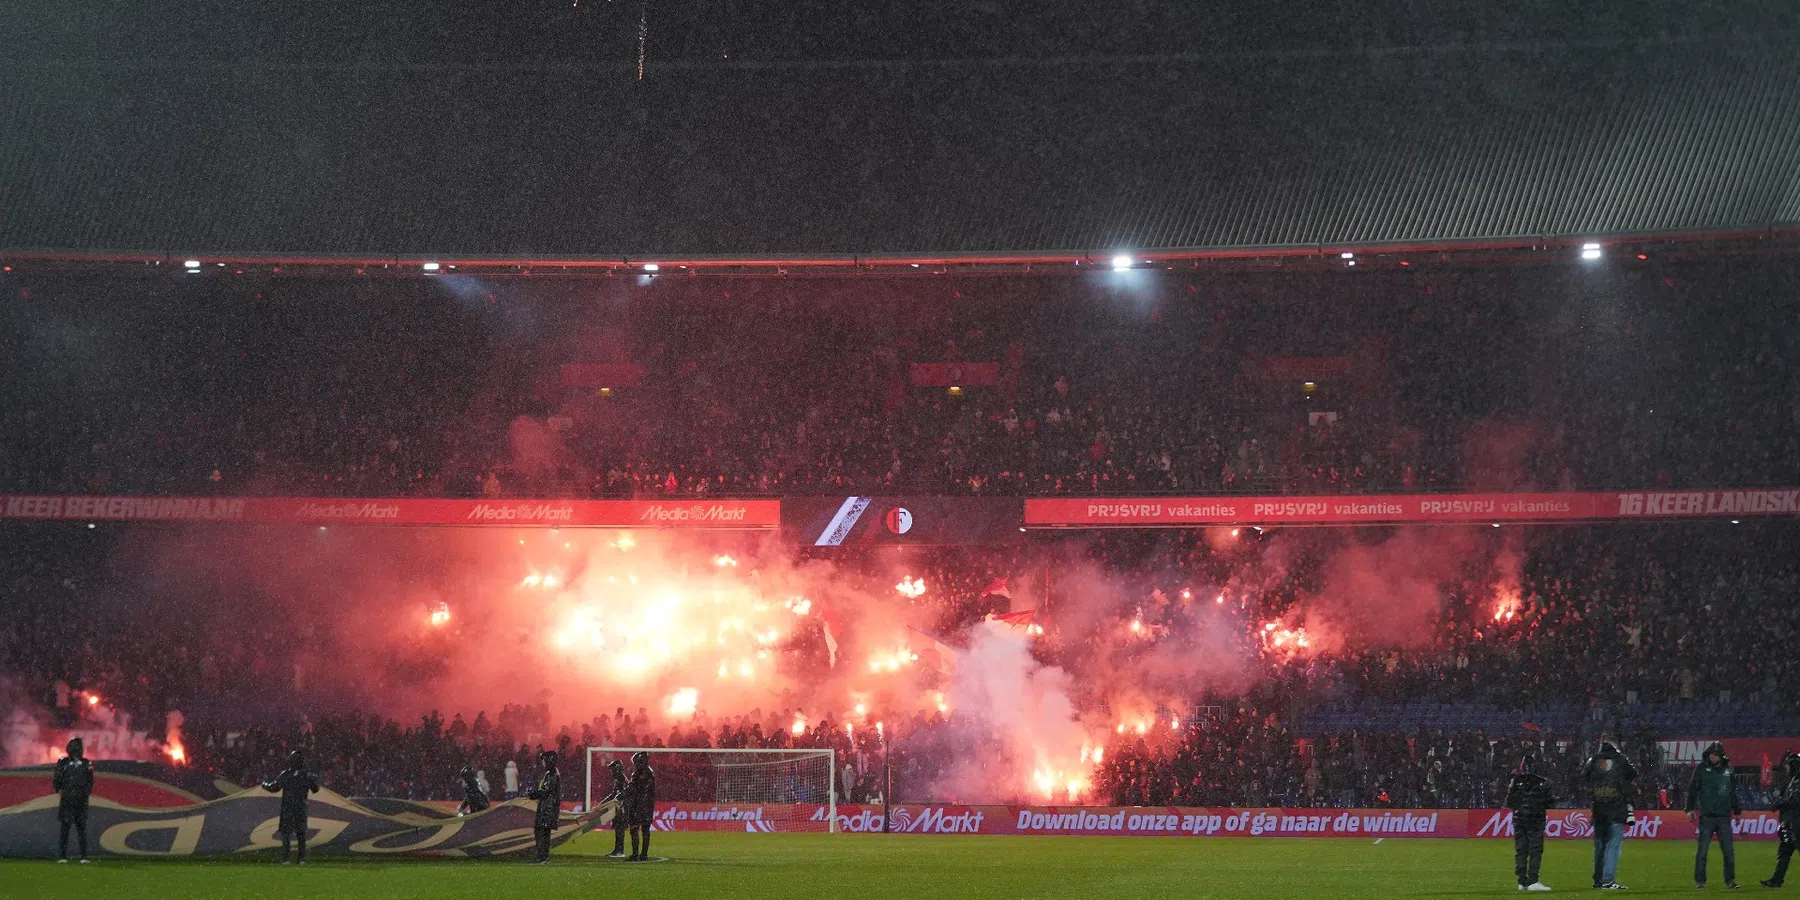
x=687, y=628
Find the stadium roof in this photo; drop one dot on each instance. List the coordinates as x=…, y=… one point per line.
x=1250, y=152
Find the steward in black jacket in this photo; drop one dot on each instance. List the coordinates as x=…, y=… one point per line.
x=293, y=784
x=73, y=780
x=548, y=795
x=1787, y=804
x=1528, y=796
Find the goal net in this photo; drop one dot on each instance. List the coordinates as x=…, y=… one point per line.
x=730, y=790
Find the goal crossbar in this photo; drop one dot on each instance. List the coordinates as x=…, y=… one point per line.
x=829, y=755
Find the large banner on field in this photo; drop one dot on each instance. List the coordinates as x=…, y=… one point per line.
x=245, y=822
x=1173, y=821
x=1153, y=512
x=674, y=513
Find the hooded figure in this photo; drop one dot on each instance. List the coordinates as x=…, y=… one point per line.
x=1712, y=805
x=293, y=784
x=73, y=779
x=1528, y=796
x=618, y=794
x=1610, y=778
x=640, y=805
x=548, y=795
x=1787, y=805
x=474, y=798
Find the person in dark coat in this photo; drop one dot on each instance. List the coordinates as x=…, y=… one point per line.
x=1528, y=796
x=619, y=819
x=293, y=784
x=548, y=795
x=1610, y=778
x=1787, y=806
x=640, y=805
x=73, y=780
x=1712, y=805
x=474, y=798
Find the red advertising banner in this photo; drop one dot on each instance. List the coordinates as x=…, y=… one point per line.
x=1742, y=751
x=773, y=818
x=393, y=511
x=954, y=374
x=1150, y=512
x=1177, y=821
x=1655, y=824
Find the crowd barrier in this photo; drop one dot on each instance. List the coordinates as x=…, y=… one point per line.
x=1174, y=821
x=834, y=521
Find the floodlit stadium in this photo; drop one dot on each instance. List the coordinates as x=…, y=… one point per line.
x=1000, y=450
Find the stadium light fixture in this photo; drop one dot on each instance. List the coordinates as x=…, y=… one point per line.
x=192, y=264
x=1121, y=262
x=430, y=267
x=1590, y=251
x=1346, y=255
x=651, y=267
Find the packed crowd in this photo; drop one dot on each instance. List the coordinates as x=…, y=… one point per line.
x=1602, y=618
x=1219, y=758
x=1243, y=759
x=1238, y=384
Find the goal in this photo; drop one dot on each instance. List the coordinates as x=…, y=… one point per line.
x=730, y=790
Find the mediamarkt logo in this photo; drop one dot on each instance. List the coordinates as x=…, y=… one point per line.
x=928, y=820
x=349, y=511
x=1571, y=823
x=522, y=512
x=698, y=512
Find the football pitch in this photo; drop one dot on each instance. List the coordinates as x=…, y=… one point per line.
x=786, y=867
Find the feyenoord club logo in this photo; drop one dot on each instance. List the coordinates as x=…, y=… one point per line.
x=899, y=520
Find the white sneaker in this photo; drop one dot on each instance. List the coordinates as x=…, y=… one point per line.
x=62, y=861
x=1538, y=886
x=84, y=861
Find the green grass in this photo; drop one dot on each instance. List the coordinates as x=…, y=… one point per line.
x=877, y=867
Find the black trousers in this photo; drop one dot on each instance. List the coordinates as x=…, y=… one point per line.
x=1789, y=841
x=292, y=833
x=619, y=830
x=77, y=820
x=1709, y=826
x=1528, y=849
x=640, y=840
x=543, y=843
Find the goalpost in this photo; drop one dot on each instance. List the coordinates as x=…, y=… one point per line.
x=739, y=783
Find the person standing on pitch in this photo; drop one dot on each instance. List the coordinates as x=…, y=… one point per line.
x=293, y=784
x=1787, y=805
x=475, y=798
x=548, y=795
x=74, y=781
x=1528, y=796
x=640, y=805
x=619, y=818
x=1712, y=805
x=1609, y=777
